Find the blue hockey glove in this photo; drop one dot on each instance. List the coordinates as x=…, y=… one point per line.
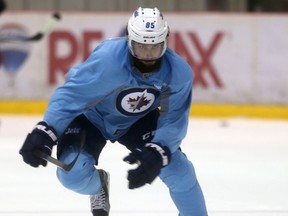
x=43, y=138
x=150, y=160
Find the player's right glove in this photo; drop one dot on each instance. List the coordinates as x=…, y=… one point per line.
x=43, y=138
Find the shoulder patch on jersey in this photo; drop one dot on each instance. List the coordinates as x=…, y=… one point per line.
x=135, y=101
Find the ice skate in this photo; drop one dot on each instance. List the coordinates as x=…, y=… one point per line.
x=100, y=205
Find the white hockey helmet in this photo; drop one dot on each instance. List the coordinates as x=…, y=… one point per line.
x=147, y=26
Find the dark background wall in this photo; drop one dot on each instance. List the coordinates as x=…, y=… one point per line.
x=173, y=5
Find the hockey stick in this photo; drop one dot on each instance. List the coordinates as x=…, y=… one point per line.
x=38, y=35
x=58, y=163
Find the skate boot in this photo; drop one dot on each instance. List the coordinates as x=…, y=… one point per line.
x=100, y=205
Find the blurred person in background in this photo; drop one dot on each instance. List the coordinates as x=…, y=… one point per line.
x=2, y=6
x=133, y=90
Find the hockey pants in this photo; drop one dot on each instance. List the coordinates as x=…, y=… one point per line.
x=179, y=176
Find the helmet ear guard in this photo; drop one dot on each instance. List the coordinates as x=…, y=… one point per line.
x=147, y=26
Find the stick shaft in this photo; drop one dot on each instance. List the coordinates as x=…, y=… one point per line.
x=58, y=163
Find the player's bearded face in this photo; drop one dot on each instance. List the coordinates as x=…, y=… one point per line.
x=147, y=53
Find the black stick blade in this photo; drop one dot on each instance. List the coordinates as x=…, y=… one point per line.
x=35, y=37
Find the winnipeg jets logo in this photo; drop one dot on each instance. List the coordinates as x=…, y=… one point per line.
x=137, y=103
x=134, y=101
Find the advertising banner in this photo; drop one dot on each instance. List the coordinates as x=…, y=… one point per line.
x=236, y=58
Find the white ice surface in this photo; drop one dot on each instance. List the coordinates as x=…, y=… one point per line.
x=241, y=164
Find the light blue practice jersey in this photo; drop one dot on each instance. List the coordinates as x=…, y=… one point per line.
x=113, y=94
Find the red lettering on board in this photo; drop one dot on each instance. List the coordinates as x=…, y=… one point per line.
x=88, y=38
x=82, y=47
x=77, y=47
x=60, y=63
x=205, y=54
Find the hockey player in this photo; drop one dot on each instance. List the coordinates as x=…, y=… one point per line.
x=134, y=91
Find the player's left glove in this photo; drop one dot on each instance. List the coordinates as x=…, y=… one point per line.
x=150, y=160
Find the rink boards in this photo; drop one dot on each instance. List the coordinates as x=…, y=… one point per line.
x=197, y=110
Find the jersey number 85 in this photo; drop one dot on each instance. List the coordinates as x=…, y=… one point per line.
x=150, y=25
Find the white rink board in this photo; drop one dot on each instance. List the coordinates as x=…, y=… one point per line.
x=237, y=58
x=241, y=164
